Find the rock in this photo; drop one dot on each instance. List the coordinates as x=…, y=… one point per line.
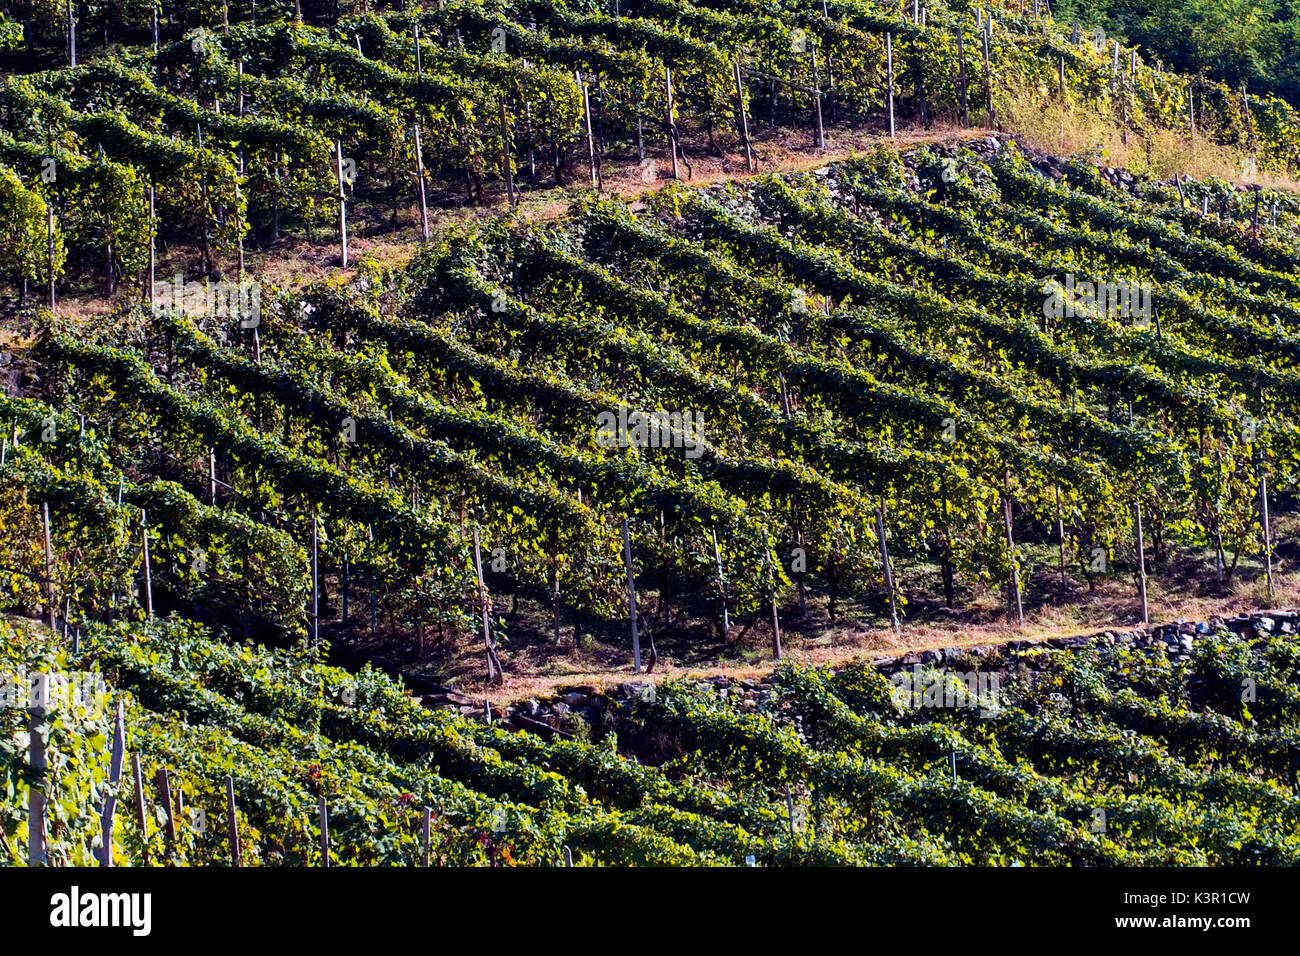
x=1204, y=627
x=529, y=706
x=559, y=708
x=1264, y=623
x=452, y=697
x=575, y=699
x=931, y=657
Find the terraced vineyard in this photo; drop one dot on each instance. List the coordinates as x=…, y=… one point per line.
x=870, y=346
x=205, y=127
x=285, y=538
x=1106, y=756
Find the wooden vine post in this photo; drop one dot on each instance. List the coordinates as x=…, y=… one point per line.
x=820, y=139
x=72, y=34
x=343, y=203
x=324, y=815
x=232, y=823
x=1014, y=604
x=592, y=165
x=50, y=612
x=776, y=619
x=1142, y=559
x=165, y=798
x=141, y=817
x=988, y=72
x=884, y=560
x=50, y=257
x=1268, y=537
x=36, y=851
x=148, y=570
x=419, y=151
x=495, y=672
x=631, y=598
x=744, y=120
x=116, y=759
x=963, y=78
x=672, y=127
x=315, y=580
x=889, y=78
x=153, y=236
x=1060, y=533
x=507, y=167
x=722, y=582
x=830, y=71
x=426, y=827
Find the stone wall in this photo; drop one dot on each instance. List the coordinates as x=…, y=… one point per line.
x=584, y=711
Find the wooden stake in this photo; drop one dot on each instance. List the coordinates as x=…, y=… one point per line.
x=425, y=834
x=988, y=74
x=343, y=207
x=36, y=852
x=153, y=232
x=419, y=180
x=884, y=560
x=889, y=72
x=1060, y=533
x=117, y=757
x=50, y=237
x=1268, y=537
x=1013, y=582
x=72, y=35
x=744, y=120
x=631, y=598
x=591, y=138
x=324, y=832
x=722, y=582
x=165, y=797
x=315, y=580
x=963, y=79
x=507, y=167
x=141, y=818
x=820, y=140
x=672, y=129
x=1250, y=119
x=232, y=823
x=419, y=152
x=50, y=611
x=1142, y=560
x=495, y=673
x=776, y=620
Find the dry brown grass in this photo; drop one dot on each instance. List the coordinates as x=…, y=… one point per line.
x=1067, y=129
